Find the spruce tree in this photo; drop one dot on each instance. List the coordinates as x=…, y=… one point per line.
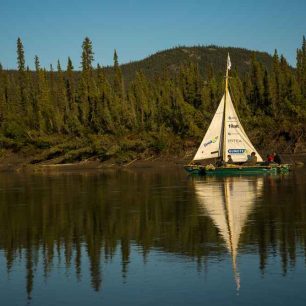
x=20, y=56
x=73, y=122
x=122, y=112
x=257, y=90
x=87, y=55
x=70, y=84
x=37, y=63
x=23, y=85
x=2, y=95
x=43, y=107
x=301, y=67
x=104, y=118
x=88, y=89
x=267, y=103
x=275, y=85
x=118, y=80
x=191, y=83
x=61, y=101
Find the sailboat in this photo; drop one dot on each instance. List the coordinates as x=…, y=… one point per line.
x=228, y=203
x=226, y=136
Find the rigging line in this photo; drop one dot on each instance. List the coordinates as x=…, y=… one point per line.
x=232, y=92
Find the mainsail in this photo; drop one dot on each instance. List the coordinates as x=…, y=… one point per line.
x=225, y=135
x=236, y=142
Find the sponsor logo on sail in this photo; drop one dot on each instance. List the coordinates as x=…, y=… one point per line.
x=234, y=140
x=236, y=151
x=233, y=126
x=211, y=141
x=229, y=134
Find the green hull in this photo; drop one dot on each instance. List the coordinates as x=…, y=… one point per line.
x=239, y=170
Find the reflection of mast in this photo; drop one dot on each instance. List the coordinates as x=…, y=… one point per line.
x=233, y=239
x=228, y=203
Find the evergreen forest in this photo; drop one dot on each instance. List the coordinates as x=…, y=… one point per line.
x=159, y=106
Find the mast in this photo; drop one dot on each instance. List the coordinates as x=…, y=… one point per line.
x=228, y=67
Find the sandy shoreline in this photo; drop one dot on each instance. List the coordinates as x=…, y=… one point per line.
x=22, y=165
x=19, y=165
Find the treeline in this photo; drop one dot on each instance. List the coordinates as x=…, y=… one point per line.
x=95, y=112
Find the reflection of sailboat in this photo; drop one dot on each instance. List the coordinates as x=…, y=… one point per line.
x=228, y=203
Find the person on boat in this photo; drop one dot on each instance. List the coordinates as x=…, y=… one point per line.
x=252, y=160
x=229, y=159
x=270, y=158
x=276, y=158
x=219, y=162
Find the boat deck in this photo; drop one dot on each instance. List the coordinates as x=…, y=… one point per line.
x=237, y=169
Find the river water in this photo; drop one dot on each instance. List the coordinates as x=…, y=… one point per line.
x=152, y=237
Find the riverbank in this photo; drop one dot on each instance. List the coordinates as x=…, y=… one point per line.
x=19, y=162
x=11, y=161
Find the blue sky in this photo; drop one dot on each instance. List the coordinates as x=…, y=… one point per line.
x=137, y=28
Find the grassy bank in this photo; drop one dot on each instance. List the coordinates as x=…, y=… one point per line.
x=108, y=150
x=96, y=151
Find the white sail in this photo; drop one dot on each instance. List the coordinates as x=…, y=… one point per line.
x=237, y=144
x=228, y=203
x=210, y=145
x=225, y=135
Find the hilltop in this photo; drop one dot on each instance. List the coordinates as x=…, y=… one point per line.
x=207, y=57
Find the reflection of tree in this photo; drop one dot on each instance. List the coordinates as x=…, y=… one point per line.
x=30, y=273
x=42, y=216
x=280, y=222
x=50, y=215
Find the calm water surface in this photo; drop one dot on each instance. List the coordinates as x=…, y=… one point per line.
x=152, y=237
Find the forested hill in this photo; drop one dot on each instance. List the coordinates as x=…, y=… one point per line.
x=161, y=105
x=206, y=57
